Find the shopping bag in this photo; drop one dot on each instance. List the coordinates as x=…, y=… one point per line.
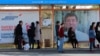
x=26, y=47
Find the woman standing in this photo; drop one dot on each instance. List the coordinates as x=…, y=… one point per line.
x=97, y=30
x=92, y=36
x=72, y=37
x=38, y=34
x=31, y=35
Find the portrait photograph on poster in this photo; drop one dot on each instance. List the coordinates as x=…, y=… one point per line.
x=80, y=21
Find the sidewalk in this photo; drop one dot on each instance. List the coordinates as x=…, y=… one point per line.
x=49, y=52
x=54, y=51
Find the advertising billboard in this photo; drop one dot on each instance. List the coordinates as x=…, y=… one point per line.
x=81, y=22
x=9, y=19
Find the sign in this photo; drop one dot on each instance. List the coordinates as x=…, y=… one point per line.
x=9, y=19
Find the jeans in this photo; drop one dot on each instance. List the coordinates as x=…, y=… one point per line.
x=61, y=42
x=57, y=39
x=91, y=45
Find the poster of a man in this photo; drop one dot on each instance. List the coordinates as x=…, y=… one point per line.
x=70, y=20
x=78, y=20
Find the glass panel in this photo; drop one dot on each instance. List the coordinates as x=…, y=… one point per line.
x=80, y=21
x=46, y=18
x=47, y=30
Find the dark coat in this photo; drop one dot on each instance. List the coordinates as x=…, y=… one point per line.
x=18, y=30
x=72, y=36
x=31, y=33
x=97, y=34
x=18, y=33
x=57, y=29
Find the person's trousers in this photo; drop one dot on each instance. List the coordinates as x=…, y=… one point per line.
x=19, y=44
x=57, y=42
x=61, y=42
x=38, y=44
x=74, y=43
x=92, y=43
x=31, y=42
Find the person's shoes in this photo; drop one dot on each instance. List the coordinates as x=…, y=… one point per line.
x=32, y=48
x=61, y=51
x=73, y=47
x=91, y=51
x=38, y=48
x=20, y=48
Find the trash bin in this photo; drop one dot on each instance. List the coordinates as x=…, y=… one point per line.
x=47, y=42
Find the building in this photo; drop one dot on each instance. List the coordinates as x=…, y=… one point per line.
x=47, y=13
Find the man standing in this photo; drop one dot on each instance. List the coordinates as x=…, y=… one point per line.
x=61, y=38
x=18, y=35
x=57, y=29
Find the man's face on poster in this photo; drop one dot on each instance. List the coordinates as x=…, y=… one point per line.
x=71, y=21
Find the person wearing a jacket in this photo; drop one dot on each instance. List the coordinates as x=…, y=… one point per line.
x=92, y=36
x=31, y=35
x=38, y=34
x=57, y=29
x=72, y=37
x=18, y=35
x=61, y=38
